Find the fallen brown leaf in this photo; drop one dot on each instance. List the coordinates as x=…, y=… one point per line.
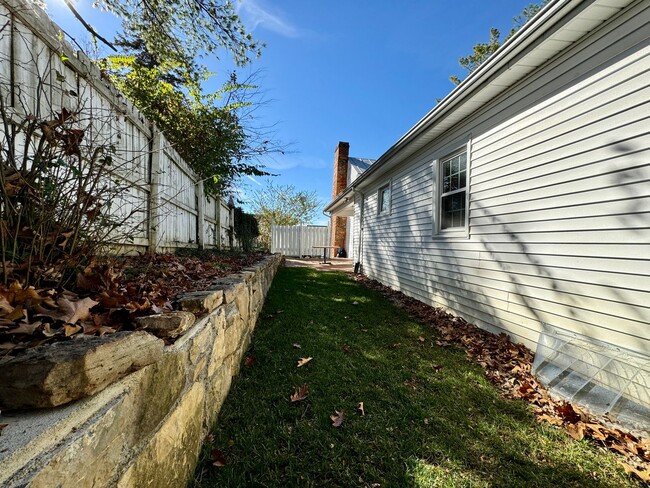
x=577, y=431
x=421, y=339
x=69, y=330
x=300, y=393
x=337, y=419
x=596, y=431
x=18, y=313
x=346, y=348
x=550, y=420
x=72, y=311
x=303, y=361
x=217, y=458
x=24, y=328
x=642, y=475
x=249, y=360
x=361, y=410
x=567, y=413
x=5, y=306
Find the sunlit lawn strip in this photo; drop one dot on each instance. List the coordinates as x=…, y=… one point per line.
x=431, y=418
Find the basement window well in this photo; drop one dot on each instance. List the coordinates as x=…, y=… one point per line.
x=604, y=379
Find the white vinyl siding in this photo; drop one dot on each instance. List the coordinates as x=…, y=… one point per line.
x=559, y=205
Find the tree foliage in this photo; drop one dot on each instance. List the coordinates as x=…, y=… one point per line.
x=282, y=205
x=205, y=128
x=160, y=69
x=182, y=31
x=483, y=50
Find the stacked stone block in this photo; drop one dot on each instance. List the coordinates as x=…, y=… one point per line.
x=146, y=429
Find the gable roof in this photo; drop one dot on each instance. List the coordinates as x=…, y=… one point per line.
x=361, y=164
x=558, y=25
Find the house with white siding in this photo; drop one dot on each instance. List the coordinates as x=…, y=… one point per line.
x=346, y=171
x=521, y=201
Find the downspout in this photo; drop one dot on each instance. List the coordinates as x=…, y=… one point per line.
x=357, y=265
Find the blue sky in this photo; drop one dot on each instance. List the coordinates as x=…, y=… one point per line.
x=361, y=71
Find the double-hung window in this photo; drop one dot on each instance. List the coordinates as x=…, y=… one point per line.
x=383, y=196
x=452, y=201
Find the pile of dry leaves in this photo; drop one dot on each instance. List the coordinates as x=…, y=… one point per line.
x=509, y=367
x=107, y=296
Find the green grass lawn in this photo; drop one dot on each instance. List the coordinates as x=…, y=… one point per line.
x=431, y=418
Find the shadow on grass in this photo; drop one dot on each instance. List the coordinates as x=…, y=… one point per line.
x=431, y=418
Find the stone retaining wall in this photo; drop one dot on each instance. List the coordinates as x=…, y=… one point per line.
x=147, y=429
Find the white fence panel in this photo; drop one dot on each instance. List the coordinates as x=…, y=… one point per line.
x=40, y=75
x=298, y=240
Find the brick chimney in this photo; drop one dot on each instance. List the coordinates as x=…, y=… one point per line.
x=338, y=224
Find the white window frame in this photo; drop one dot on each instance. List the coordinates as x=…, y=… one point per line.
x=454, y=232
x=386, y=186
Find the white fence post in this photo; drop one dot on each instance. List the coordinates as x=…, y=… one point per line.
x=231, y=222
x=218, y=229
x=200, y=202
x=154, y=197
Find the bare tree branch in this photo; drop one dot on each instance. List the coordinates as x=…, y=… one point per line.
x=87, y=26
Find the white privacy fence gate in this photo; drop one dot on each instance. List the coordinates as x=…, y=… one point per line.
x=298, y=240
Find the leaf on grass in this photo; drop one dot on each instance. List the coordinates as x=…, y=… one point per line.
x=361, y=410
x=596, y=431
x=296, y=345
x=217, y=458
x=346, y=348
x=250, y=360
x=337, y=419
x=643, y=475
x=397, y=345
x=436, y=368
x=300, y=393
x=303, y=361
x=421, y=339
x=551, y=420
x=567, y=413
x=577, y=431
x=355, y=303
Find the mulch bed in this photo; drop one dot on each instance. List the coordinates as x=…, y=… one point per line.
x=509, y=367
x=107, y=296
